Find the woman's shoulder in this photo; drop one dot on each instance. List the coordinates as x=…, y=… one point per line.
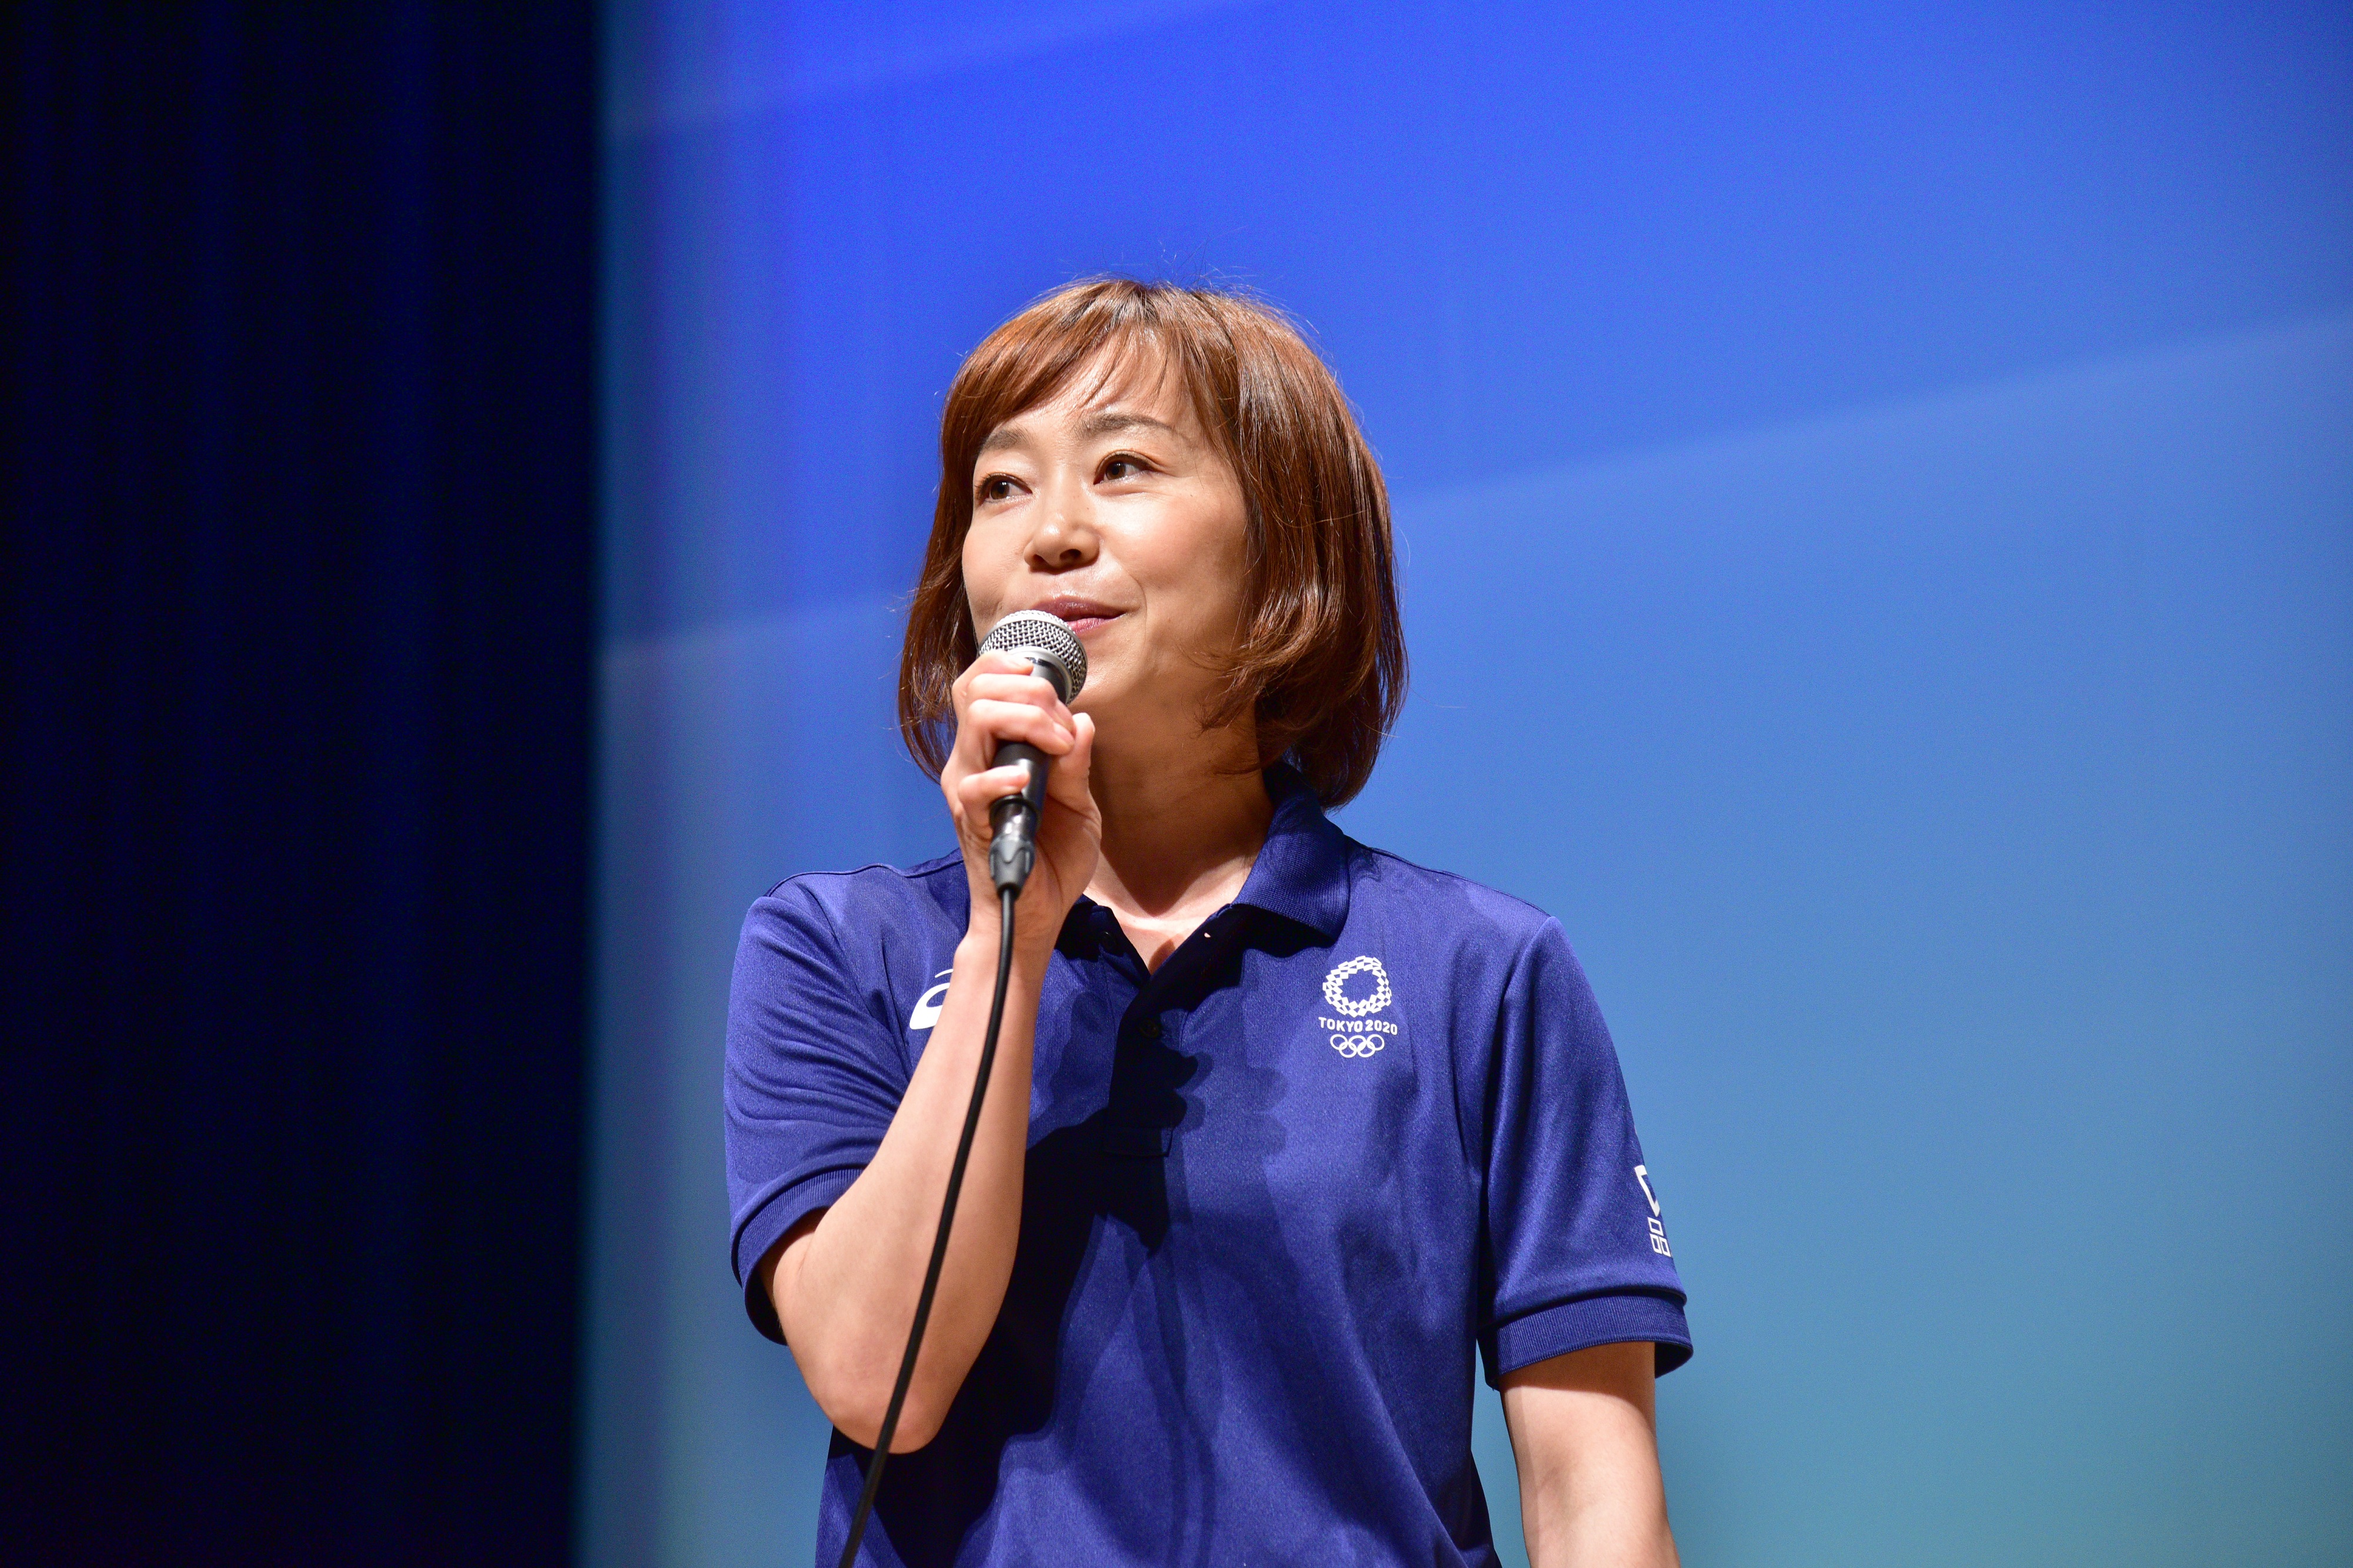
x=876, y=892
x=1471, y=910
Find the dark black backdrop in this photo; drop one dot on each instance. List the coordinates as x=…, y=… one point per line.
x=300, y=544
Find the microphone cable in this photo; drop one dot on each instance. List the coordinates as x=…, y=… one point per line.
x=1005, y=898
x=1054, y=652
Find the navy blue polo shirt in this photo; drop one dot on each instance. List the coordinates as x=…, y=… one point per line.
x=1364, y=1119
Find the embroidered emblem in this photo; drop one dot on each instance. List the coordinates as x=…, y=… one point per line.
x=1352, y=1006
x=1356, y=1033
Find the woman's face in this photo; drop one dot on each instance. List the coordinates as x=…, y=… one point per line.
x=1111, y=507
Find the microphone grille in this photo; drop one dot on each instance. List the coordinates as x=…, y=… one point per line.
x=1042, y=638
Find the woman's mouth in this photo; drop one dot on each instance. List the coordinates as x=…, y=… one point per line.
x=1082, y=615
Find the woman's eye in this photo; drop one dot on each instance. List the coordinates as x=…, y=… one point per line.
x=997, y=487
x=1122, y=469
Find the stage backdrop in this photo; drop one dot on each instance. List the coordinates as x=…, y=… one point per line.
x=1876, y=494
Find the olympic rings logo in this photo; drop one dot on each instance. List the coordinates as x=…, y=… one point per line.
x=1356, y=1045
x=1347, y=1005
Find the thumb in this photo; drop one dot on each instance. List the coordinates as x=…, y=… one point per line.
x=1071, y=770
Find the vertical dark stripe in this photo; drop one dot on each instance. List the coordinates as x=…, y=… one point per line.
x=298, y=585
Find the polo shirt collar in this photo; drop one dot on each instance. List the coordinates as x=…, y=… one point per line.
x=1301, y=871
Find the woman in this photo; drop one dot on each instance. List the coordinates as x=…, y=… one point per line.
x=1303, y=1122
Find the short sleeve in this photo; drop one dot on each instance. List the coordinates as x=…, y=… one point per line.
x=813, y=1074
x=1576, y=1242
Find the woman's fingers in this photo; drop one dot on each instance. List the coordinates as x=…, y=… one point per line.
x=990, y=674
x=990, y=721
x=1003, y=721
x=1000, y=700
x=1017, y=685
x=1065, y=782
x=1024, y=690
x=978, y=791
x=994, y=660
x=1068, y=781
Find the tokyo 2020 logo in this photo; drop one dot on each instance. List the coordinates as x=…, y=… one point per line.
x=1352, y=1035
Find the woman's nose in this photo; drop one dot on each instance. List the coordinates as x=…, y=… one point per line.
x=1065, y=535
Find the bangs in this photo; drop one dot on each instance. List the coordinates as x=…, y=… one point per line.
x=1096, y=341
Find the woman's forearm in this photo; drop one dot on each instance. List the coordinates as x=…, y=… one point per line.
x=845, y=1289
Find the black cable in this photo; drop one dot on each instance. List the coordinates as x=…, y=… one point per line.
x=1005, y=898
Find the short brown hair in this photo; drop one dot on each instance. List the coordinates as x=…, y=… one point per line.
x=1320, y=657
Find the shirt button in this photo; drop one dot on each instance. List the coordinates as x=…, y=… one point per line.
x=1149, y=1028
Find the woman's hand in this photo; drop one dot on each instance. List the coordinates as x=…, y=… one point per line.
x=997, y=701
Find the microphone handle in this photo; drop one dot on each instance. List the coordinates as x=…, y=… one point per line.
x=1013, y=820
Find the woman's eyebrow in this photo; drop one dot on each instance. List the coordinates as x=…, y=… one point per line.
x=1111, y=424
x=1107, y=422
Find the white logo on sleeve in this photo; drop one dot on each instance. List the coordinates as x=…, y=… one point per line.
x=1356, y=1032
x=1658, y=1231
x=927, y=1005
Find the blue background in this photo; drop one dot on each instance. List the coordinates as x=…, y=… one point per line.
x=1877, y=496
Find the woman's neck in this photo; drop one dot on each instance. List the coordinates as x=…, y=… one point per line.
x=1181, y=827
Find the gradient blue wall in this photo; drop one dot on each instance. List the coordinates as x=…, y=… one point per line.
x=1877, y=495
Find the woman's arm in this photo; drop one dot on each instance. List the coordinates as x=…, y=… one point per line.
x=844, y=1281
x=1584, y=1434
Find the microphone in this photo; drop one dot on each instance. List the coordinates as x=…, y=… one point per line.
x=1053, y=651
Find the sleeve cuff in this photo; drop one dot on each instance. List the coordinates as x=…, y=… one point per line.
x=766, y=1227
x=1580, y=1324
